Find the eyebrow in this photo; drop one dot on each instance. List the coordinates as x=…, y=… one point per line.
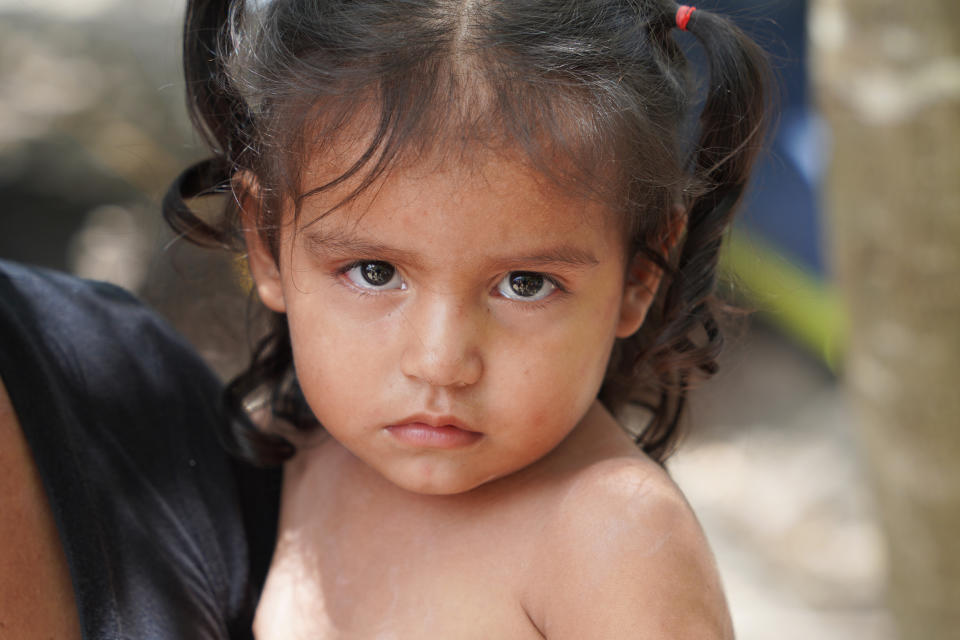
x=341, y=242
x=564, y=255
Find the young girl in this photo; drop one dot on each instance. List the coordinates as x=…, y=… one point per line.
x=482, y=229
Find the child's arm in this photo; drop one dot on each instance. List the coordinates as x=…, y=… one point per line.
x=626, y=558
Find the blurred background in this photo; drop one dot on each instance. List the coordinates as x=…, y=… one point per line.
x=821, y=460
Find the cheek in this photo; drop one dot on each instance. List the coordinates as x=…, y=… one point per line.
x=328, y=327
x=558, y=370
x=332, y=358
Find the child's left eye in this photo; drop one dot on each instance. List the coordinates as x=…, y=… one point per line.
x=374, y=274
x=526, y=286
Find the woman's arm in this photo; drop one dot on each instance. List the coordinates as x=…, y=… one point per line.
x=36, y=595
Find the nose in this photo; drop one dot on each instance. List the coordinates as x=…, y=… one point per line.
x=442, y=348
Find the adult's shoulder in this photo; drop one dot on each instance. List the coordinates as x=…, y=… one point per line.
x=111, y=370
x=625, y=557
x=96, y=330
x=121, y=417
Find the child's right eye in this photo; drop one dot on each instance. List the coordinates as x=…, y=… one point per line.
x=374, y=274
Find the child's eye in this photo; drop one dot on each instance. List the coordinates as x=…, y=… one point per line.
x=374, y=274
x=528, y=286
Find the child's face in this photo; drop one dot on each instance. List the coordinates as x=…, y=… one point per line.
x=453, y=325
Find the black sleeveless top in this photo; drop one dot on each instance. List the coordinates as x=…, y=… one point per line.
x=165, y=535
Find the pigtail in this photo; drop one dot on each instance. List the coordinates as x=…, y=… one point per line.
x=731, y=131
x=219, y=113
x=216, y=111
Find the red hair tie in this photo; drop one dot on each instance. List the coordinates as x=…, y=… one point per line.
x=683, y=16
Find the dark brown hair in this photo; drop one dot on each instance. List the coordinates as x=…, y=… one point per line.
x=601, y=83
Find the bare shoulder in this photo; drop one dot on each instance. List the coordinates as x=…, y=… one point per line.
x=35, y=587
x=623, y=556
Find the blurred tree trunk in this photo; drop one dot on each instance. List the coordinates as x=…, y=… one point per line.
x=888, y=77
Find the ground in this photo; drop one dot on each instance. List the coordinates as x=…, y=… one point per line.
x=771, y=468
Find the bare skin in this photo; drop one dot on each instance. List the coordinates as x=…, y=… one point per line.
x=470, y=485
x=36, y=596
x=592, y=541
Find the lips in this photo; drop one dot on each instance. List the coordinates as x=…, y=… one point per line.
x=433, y=432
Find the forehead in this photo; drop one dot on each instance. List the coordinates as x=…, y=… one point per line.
x=348, y=142
x=456, y=193
x=351, y=171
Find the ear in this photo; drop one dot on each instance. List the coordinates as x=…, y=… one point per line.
x=643, y=279
x=263, y=267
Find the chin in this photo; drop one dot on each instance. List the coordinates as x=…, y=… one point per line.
x=436, y=486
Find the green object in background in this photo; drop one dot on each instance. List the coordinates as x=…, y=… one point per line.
x=790, y=296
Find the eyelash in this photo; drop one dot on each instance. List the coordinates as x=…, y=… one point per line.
x=535, y=305
x=341, y=272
